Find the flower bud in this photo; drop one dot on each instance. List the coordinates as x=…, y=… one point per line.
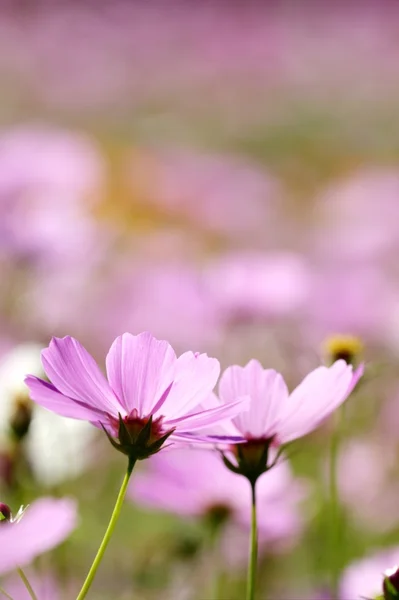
x=5, y=512
x=343, y=347
x=391, y=584
x=21, y=417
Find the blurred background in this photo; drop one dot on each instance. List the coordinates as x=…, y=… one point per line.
x=225, y=175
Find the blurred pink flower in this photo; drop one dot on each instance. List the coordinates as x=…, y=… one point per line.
x=274, y=414
x=45, y=524
x=166, y=297
x=145, y=379
x=368, y=464
x=338, y=301
x=195, y=483
x=45, y=586
x=47, y=178
x=364, y=578
x=253, y=286
x=358, y=215
x=222, y=194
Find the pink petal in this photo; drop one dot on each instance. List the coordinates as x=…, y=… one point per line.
x=209, y=417
x=75, y=373
x=49, y=397
x=195, y=378
x=45, y=524
x=267, y=391
x=139, y=369
x=319, y=394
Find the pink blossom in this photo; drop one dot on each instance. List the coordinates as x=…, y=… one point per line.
x=338, y=301
x=253, y=285
x=368, y=464
x=364, y=578
x=47, y=175
x=275, y=414
x=227, y=195
x=194, y=483
x=45, y=586
x=145, y=381
x=45, y=524
x=358, y=215
x=166, y=297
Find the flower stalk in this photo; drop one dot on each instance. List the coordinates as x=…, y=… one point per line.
x=27, y=584
x=109, y=531
x=335, y=516
x=253, y=546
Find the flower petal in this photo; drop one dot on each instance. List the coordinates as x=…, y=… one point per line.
x=195, y=377
x=45, y=524
x=209, y=417
x=49, y=397
x=75, y=373
x=267, y=391
x=319, y=394
x=140, y=368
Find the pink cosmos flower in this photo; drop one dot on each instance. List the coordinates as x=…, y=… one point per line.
x=364, y=578
x=195, y=483
x=147, y=387
x=46, y=177
x=368, y=464
x=354, y=224
x=275, y=414
x=256, y=286
x=223, y=194
x=43, y=525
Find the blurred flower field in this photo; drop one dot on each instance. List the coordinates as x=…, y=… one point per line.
x=224, y=176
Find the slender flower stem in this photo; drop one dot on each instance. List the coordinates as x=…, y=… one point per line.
x=335, y=517
x=253, y=548
x=26, y=583
x=107, y=536
x=4, y=593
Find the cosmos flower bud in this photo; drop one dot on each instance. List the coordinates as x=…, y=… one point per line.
x=391, y=584
x=5, y=512
x=343, y=347
x=21, y=416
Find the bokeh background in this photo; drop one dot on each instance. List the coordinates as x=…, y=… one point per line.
x=226, y=175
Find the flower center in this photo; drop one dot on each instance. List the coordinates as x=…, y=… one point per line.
x=135, y=424
x=138, y=437
x=343, y=347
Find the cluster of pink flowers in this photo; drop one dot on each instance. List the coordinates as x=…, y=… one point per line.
x=152, y=399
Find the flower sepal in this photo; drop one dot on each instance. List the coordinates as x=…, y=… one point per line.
x=139, y=441
x=391, y=584
x=252, y=459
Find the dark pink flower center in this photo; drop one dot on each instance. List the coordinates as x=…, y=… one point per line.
x=135, y=424
x=253, y=449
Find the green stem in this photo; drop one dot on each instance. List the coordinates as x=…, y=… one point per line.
x=335, y=520
x=107, y=536
x=216, y=583
x=26, y=583
x=253, y=548
x=4, y=593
